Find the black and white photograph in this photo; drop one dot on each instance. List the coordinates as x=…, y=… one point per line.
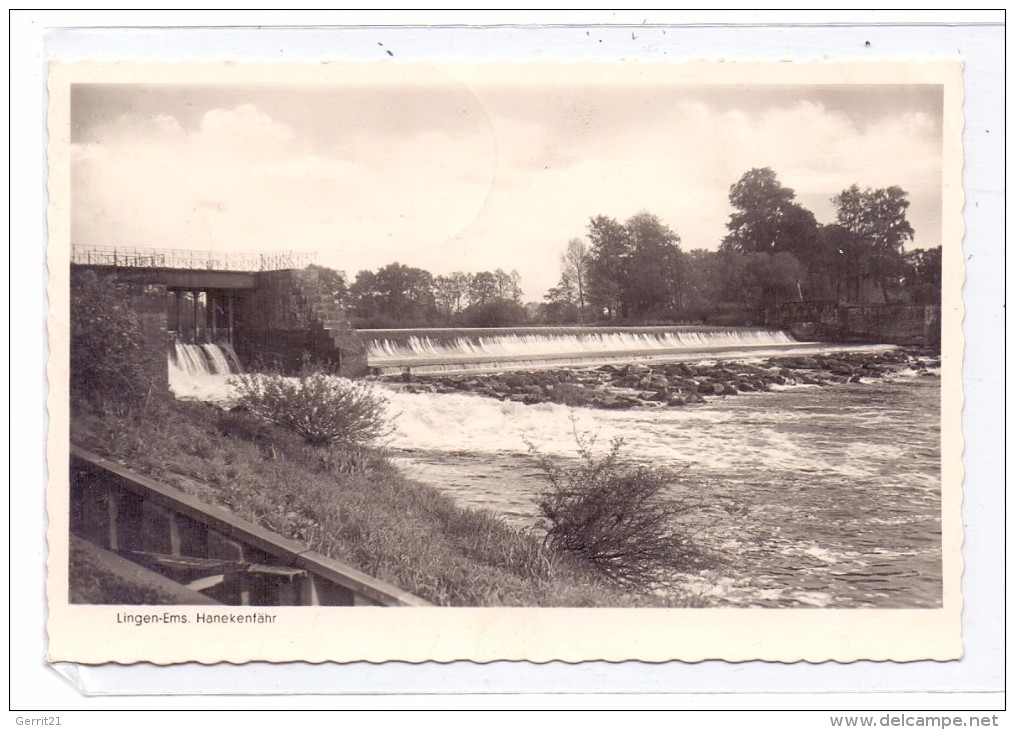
x=674, y=339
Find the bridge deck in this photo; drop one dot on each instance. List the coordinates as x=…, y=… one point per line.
x=179, y=278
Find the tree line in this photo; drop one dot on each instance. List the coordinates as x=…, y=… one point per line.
x=636, y=271
x=774, y=251
x=404, y=296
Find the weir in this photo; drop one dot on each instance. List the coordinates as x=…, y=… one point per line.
x=430, y=350
x=206, y=359
x=263, y=310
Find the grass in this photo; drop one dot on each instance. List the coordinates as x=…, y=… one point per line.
x=353, y=505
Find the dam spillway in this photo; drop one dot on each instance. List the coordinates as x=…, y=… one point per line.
x=455, y=349
x=205, y=359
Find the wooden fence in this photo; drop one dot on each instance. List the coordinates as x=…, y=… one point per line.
x=207, y=549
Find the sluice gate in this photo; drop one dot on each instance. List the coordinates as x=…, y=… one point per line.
x=263, y=309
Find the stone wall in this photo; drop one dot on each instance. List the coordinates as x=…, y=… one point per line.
x=284, y=319
x=898, y=324
x=288, y=319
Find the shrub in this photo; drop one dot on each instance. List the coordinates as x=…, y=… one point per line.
x=321, y=408
x=111, y=363
x=618, y=519
x=495, y=313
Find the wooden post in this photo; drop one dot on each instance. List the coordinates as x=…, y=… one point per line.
x=113, y=515
x=288, y=594
x=230, y=319
x=193, y=296
x=244, y=588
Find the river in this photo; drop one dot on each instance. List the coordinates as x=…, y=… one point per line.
x=839, y=486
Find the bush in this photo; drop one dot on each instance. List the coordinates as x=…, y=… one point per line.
x=111, y=363
x=495, y=313
x=321, y=408
x=618, y=519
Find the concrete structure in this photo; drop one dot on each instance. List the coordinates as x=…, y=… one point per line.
x=280, y=318
x=289, y=317
x=897, y=324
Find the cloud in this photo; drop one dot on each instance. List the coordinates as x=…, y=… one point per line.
x=506, y=190
x=311, y=167
x=136, y=129
x=680, y=163
x=243, y=126
x=107, y=208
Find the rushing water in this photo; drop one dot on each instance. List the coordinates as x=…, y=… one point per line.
x=534, y=342
x=200, y=372
x=839, y=486
x=439, y=350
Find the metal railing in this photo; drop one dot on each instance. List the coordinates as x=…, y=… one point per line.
x=151, y=258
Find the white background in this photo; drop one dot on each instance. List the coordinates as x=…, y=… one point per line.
x=978, y=678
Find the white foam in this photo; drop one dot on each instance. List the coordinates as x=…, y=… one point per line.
x=731, y=435
x=381, y=351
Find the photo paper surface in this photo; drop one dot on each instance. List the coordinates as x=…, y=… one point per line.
x=505, y=361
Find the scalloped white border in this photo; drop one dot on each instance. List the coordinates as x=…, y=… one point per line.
x=87, y=634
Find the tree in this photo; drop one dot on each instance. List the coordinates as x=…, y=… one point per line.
x=702, y=281
x=365, y=297
x=334, y=281
x=766, y=220
x=756, y=281
x=112, y=363
x=653, y=267
x=843, y=262
x=923, y=276
x=516, y=286
x=878, y=217
x=483, y=288
x=495, y=313
x=610, y=253
x=566, y=301
x=560, y=307
x=574, y=272
x=396, y=295
x=876, y=220
x=508, y=286
x=450, y=294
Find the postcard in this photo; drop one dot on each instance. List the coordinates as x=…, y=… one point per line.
x=476, y=361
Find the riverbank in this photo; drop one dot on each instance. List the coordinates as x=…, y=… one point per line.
x=671, y=385
x=352, y=505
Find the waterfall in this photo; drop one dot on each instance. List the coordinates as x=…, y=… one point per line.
x=436, y=349
x=189, y=361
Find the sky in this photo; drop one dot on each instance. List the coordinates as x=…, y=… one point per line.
x=448, y=175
